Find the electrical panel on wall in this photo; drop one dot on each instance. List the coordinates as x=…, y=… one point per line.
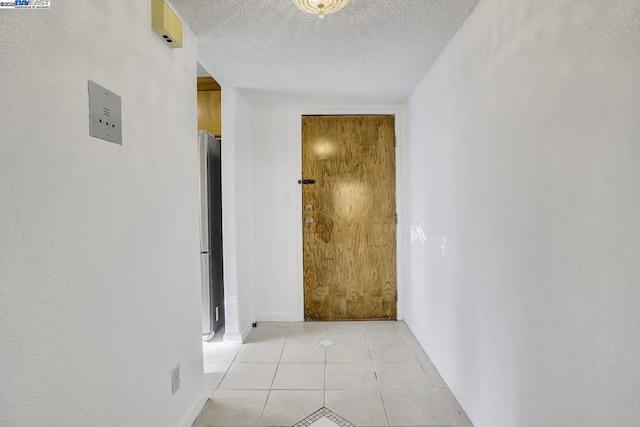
x=166, y=23
x=105, y=116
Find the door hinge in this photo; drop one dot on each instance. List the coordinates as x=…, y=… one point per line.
x=396, y=296
x=396, y=218
x=394, y=141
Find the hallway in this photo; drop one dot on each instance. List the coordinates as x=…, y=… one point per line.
x=517, y=150
x=368, y=373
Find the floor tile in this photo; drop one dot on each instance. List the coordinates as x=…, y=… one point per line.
x=346, y=324
x=391, y=352
x=303, y=353
x=249, y=376
x=274, y=324
x=300, y=376
x=428, y=367
x=306, y=335
x=310, y=325
x=215, y=367
x=414, y=407
x=220, y=352
x=346, y=334
x=361, y=407
x=385, y=334
x=212, y=380
x=324, y=422
x=267, y=335
x=233, y=408
x=372, y=324
x=285, y=408
x=260, y=352
x=341, y=376
x=423, y=425
x=324, y=417
x=401, y=375
x=434, y=376
x=326, y=342
x=452, y=407
x=408, y=333
x=348, y=352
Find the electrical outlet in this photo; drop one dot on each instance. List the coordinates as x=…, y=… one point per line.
x=175, y=379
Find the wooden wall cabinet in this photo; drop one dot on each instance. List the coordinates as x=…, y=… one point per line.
x=210, y=106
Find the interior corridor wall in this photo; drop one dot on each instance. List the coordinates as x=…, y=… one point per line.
x=524, y=213
x=99, y=250
x=237, y=215
x=277, y=155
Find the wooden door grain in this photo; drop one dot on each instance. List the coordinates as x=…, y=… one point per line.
x=349, y=217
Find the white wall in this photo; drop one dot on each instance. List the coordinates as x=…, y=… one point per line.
x=99, y=264
x=277, y=232
x=237, y=213
x=524, y=212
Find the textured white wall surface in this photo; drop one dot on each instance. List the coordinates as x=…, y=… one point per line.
x=244, y=215
x=524, y=213
x=237, y=214
x=99, y=264
x=277, y=233
x=277, y=201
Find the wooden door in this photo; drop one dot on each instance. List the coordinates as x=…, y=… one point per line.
x=349, y=217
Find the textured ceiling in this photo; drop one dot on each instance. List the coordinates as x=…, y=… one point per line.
x=372, y=51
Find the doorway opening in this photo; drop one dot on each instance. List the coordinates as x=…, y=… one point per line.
x=210, y=157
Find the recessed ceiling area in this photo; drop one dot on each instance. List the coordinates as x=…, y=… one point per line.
x=372, y=51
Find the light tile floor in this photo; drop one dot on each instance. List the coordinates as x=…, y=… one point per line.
x=369, y=373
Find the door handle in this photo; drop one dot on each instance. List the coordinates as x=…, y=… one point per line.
x=306, y=181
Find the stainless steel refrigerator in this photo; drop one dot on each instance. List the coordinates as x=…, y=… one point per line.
x=211, y=234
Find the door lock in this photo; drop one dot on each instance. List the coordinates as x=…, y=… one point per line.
x=308, y=219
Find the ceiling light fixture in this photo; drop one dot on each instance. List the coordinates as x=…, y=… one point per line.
x=321, y=7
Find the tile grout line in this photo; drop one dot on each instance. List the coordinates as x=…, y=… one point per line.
x=413, y=339
x=225, y=373
x=384, y=407
x=273, y=380
x=326, y=368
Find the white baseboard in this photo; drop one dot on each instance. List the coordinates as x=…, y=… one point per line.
x=193, y=414
x=247, y=330
x=445, y=372
x=238, y=337
x=280, y=317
